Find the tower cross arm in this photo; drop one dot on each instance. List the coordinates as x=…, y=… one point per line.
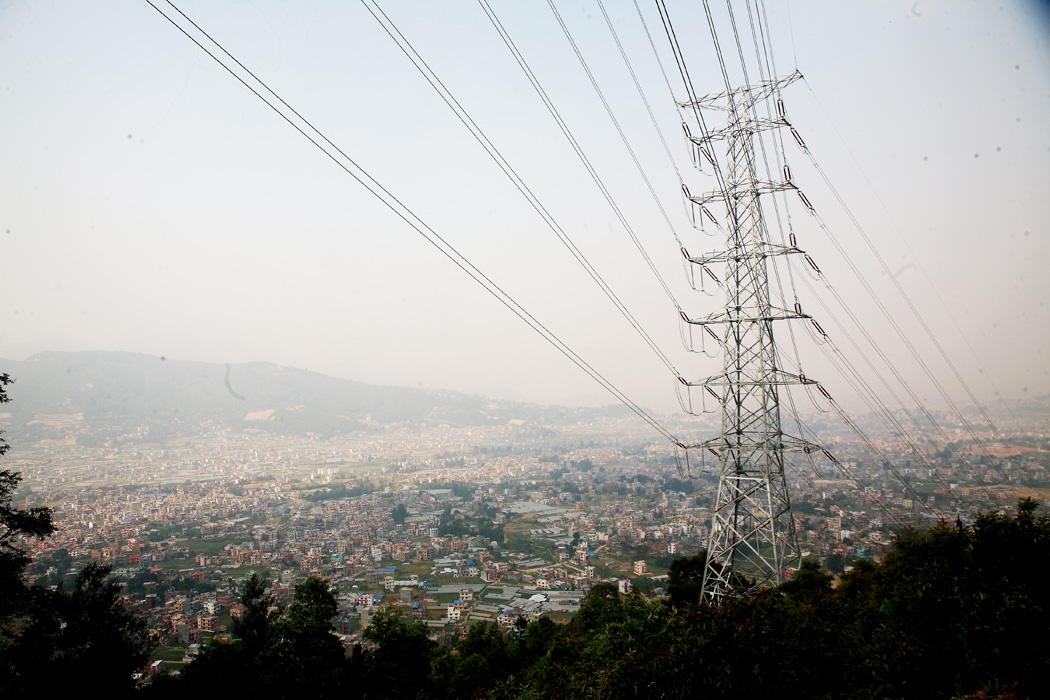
x=770, y=314
x=750, y=124
x=786, y=442
x=738, y=190
x=745, y=96
x=765, y=250
x=775, y=378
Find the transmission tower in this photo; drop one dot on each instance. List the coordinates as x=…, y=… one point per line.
x=752, y=541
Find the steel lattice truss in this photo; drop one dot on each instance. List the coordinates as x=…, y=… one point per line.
x=753, y=539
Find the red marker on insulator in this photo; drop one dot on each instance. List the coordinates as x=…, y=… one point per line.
x=787, y=172
x=805, y=200
x=830, y=456
x=798, y=308
x=825, y=392
x=813, y=265
x=791, y=239
x=819, y=329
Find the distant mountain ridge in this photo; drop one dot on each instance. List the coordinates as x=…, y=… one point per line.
x=109, y=389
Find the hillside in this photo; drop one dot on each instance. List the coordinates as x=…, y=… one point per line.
x=106, y=391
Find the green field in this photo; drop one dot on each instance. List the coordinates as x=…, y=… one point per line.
x=419, y=568
x=210, y=548
x=244, y=571
x=176, y=653
x=516, y=538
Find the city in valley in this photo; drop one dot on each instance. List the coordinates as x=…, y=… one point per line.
x=456, y=523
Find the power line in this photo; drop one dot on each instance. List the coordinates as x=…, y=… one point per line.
x=403, y=212
x=903, y=239
x=764, y=60
x=893, y=322
x=616, y=123
x=479, y=135
x=578, y=149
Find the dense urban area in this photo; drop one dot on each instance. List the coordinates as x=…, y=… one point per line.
x=450, y=524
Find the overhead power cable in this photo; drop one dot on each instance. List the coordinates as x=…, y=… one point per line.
x=479, y=135
x=402, y=211
x=761, y=38
x=904, y=240
x=902, y=336
x=752, y=167
x=567, y=132
x=693, y=98
x=766, y=69
x=641, y=95
x=616, y=122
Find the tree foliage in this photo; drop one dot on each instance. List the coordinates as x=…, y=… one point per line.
x=16, y=526
x=685, y=578
x=82, y=633
x=273, y=655
x=398, y=665
x=47, y=634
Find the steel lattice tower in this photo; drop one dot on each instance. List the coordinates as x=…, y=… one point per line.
x=752, y=530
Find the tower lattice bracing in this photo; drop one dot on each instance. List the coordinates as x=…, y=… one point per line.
x=752, y=540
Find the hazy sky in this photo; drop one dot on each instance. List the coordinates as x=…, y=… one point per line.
x=149, y=202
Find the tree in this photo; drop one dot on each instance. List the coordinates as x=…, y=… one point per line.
x=399, y=667
x=400, y=514
x=837, y=563
x=273, y=656
x=241, y=666
x=601, y=607
x=16, y=525
x=482, y=660
x=685, y=579
x=49, y=634
x=313, y=606
x=83, y=633
x=257, y=627
x=5, y=379
x=810, y=582
x=307, y=659
x=643, y=585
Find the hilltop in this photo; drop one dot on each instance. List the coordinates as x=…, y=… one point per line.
x=106, y=391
